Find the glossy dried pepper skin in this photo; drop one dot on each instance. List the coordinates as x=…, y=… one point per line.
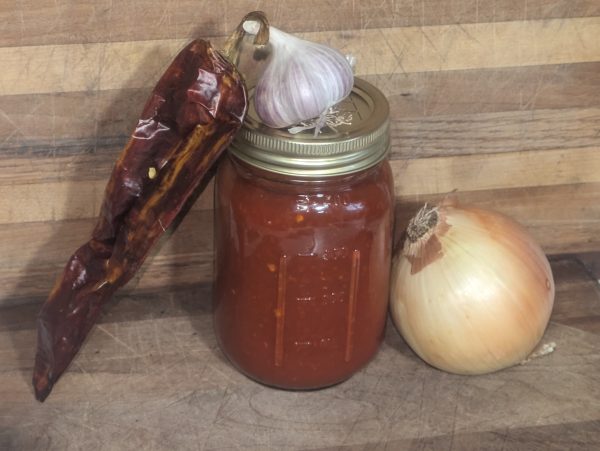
x=191, y=117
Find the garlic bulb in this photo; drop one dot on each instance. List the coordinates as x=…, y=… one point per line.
x=471, y=291
x=302, y=81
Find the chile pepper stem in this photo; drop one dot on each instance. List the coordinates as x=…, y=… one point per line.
x=233, y=44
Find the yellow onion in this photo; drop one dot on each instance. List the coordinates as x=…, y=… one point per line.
x=471, y=291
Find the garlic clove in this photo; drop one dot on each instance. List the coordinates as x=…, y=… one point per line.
x=302, y=81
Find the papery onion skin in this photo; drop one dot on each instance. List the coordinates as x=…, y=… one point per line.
x=301, y=82
x=474, y=294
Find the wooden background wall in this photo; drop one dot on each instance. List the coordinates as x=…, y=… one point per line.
x=499, y=100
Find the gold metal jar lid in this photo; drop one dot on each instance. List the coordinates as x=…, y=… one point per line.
x=355, y=137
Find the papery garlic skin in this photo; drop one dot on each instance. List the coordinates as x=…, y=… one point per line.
x=302, y=81
x=480, y=299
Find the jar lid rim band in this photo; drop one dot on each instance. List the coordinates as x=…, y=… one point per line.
x=361, y=141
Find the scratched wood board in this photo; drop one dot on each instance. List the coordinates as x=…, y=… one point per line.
x=151, y=376
x=497, y=99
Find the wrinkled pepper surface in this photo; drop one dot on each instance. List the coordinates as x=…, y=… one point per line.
x=191, y=117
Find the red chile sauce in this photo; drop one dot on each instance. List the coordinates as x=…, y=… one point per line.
x=302, y=271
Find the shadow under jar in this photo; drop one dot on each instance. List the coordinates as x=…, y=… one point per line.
x=303, y=232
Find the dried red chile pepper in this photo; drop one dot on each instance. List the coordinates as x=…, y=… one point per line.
x=190, y=118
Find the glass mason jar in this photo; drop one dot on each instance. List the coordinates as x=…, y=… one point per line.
x=303, y=232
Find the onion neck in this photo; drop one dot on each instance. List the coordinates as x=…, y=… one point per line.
x=423, y=223
x=423, y=245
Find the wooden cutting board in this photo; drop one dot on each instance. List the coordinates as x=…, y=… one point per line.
x=498, y=100
x=151, y=377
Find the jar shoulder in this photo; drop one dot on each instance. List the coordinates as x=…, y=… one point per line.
x=366, y=194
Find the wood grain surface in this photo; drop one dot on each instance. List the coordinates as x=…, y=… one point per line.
x=498, y=100
x=151, y=376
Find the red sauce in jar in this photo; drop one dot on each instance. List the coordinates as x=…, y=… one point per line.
x=302, y=271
